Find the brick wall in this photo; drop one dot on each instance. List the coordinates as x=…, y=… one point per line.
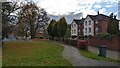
x=113, y=43
x=103, y=26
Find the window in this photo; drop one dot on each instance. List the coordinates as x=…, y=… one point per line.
x=85, y=22
x=89, y=30
x=74, y=25
x=96, y=22
x=85, y=30
x=74, y=31
x=79, y=30
x=89, y=22
x=96, y=29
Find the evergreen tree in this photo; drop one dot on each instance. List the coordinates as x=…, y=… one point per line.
x=62, y=27
x=51, y=29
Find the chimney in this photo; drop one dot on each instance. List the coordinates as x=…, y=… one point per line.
x=98, y=12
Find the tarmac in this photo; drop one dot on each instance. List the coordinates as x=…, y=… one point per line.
x=73, y=55
x=114, y=54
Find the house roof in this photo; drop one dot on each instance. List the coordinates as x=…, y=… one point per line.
x=82, y=20
x=79, y=21
x=93, y=17
x=98, y=17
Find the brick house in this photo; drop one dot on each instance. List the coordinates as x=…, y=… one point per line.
x=95, y=24
x=91, y=25
x=81, y=27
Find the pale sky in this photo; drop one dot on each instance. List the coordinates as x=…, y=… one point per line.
x=68, y=7
x=65, y=7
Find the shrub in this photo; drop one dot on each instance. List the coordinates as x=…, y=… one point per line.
x=104, y=36
x=82, y=44
x=70, y=42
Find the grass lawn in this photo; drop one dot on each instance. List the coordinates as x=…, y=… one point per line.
x=35, y=53
x=91, y=55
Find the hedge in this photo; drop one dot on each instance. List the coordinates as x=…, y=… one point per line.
x=71, y=42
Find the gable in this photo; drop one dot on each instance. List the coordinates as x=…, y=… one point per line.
x=73, y=22
x=88, y=18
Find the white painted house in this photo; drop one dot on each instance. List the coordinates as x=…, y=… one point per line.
x=74, y=28
x=88, y=26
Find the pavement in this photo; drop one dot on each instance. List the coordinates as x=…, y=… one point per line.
x=109, y=53
x=73, y=55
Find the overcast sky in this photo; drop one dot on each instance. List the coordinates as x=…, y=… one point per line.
x=79, y=8
x=61, y=7
x=69, y=7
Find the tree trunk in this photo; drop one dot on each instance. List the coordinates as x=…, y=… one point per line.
x=52, y=37
x=32, y=33
x=32, y=36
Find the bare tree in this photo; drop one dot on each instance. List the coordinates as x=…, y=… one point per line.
x=32, y=18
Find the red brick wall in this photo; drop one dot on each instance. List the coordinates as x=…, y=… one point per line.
x=103, y=25
x=81, y=27
x=113, y=43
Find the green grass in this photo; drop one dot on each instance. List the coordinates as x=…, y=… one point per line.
x=36, y=53
x=91, y=55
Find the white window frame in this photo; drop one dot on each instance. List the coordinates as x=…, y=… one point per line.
x=96, y=22
x=90, y=30
x=74, y=25
x=96, y=29
x=89, y=22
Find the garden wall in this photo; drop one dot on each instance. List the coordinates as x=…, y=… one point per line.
x=113, y=43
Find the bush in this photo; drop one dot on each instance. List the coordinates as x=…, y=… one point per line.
x=104, y=36
x=70, y=42
x=82, y=44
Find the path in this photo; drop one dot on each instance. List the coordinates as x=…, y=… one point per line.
x=73, y=55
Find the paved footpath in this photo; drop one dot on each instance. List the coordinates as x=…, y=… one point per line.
x=72, y=54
